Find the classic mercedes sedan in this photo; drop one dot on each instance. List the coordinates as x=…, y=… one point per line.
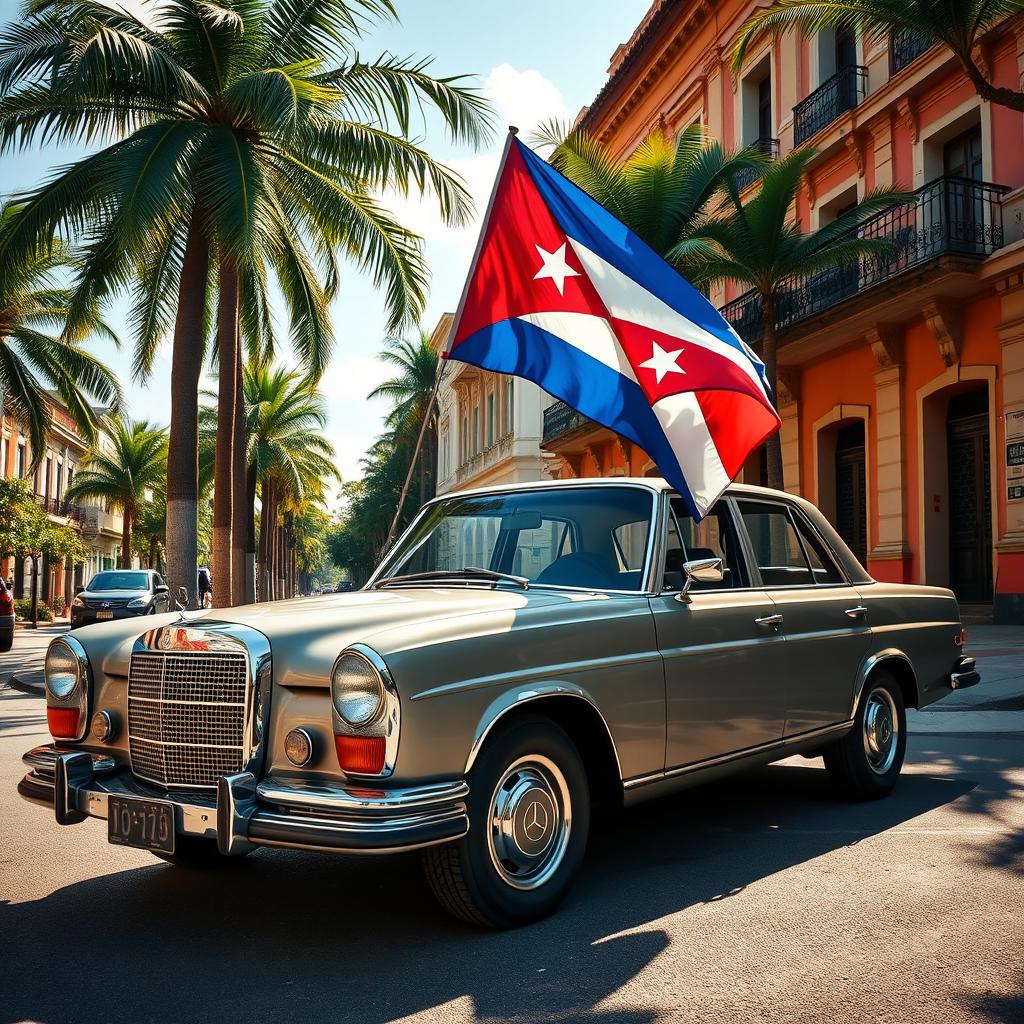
x=522, y=654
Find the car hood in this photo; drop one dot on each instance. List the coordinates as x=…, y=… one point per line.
x=113, y=595
x=307, y=634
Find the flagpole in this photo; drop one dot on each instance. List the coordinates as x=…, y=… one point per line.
x=442, y=362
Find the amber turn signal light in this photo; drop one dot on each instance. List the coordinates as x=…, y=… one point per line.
x=363, y=755
x=62, y=722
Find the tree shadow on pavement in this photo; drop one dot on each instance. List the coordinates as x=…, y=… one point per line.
x=283, y=935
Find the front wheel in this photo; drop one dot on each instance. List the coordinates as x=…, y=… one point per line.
x=529, y=815
x=866, y=762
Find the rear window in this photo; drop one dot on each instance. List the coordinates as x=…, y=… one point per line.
x=786, y=552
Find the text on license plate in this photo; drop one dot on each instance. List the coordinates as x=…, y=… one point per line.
x=104, y=615
x=148, y=824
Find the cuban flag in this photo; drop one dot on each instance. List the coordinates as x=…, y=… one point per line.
x=563, y=294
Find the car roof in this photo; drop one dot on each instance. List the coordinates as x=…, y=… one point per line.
x=651, y=483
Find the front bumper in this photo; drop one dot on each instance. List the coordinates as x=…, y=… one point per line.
x=305, y=815
x=88, y=616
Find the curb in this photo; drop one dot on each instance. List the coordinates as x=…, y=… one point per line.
x=25, y=686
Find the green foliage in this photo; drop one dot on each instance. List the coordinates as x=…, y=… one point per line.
x=23, y=610
x=262, y=116
x=26, y=530
x=34, y=354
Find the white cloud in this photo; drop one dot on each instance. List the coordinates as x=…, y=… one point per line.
x=524, y=98
x=352, y=378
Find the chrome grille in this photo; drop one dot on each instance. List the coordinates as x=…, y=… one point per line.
x=186, y=716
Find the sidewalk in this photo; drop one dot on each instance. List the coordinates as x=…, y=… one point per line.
x=22, y=666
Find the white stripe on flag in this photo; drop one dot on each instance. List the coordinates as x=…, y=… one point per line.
x=683, y=422
x=591, y=334
x=626, y=300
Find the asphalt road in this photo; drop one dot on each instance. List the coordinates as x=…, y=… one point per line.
x=757, y=899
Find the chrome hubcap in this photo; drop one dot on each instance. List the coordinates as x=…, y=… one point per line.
x=881, y=731
x=530, y=818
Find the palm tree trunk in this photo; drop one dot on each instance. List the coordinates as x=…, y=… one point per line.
x=241, y=568
x=263, y=554
x=183, y=443
x=986, y=90
x=126, y=540
x=223, y=473
x=250, y=534
x=152, y=552
x=769, y=347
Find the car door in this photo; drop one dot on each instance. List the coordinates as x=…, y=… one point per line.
x=824, y=620
x=723, y=656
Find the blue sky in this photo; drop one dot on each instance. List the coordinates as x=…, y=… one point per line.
x=535, y=58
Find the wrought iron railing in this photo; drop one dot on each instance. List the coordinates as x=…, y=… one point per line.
x=843, y=91
x=770, y=148
x=560, y=419
x=949, y=216
x=904, y=48
x=59, y=507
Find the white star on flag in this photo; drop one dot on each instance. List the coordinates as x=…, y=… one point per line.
x=662, y=361
x=555, y=267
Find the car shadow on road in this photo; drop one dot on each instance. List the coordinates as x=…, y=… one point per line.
x=281, y=934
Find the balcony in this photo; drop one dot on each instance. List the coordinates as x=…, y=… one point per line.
x=770, y=148
x=559, y=419
x=59, y=507
x=486, y=458
x=950, y=216
x=904, y=48
x=842, y=92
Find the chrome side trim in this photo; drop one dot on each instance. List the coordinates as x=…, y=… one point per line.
x=507, y=701
x=739, y=755
x=43, y=759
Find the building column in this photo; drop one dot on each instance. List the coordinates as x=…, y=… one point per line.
x=890, y=557
x=788, y=387
x=1008, y=603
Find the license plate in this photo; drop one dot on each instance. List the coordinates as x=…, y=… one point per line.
x=104, y=615
x=147, y=824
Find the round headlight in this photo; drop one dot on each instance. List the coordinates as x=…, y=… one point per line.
x=357, y=689
x=63, y=671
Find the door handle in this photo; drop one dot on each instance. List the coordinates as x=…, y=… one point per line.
x=856, y=613
x=770, y=623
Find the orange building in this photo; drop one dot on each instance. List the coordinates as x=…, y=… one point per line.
x=901, y=381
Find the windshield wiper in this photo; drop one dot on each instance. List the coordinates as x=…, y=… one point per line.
x=468, y=571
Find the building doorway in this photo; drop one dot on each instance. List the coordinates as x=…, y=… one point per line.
x=851, y=489
x=970, y=496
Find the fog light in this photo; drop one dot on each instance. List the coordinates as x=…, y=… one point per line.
x=298, y=747
x=103, y=726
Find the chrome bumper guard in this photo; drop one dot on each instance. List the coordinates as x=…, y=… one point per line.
x=965, y=675
x=292, y=813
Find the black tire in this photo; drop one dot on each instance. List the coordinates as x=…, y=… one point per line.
x=859, y=766
x=475, y=886
x=196, y=852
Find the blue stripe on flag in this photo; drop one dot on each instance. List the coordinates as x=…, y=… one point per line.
x=596, y=390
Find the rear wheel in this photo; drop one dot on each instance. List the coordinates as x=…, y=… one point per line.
x=866, y=762
x=529, y=812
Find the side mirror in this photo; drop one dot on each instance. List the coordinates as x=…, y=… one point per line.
x=79, y=588
x=161, y=589
x=702, y=570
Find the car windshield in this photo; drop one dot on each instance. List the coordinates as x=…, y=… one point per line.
x=120, y=581
x=595, y=538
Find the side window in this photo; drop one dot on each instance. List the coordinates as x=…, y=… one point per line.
x=713, y=537
x=631, y=545
x=785, y=556
x=823, y=566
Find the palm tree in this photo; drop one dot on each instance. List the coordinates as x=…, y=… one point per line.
x=288, y=460
x=414, y=398
x=755, y=242
x=35, y=356
x=248, y=138
x=957, y=24
x=662, y=191
x=121, y=476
